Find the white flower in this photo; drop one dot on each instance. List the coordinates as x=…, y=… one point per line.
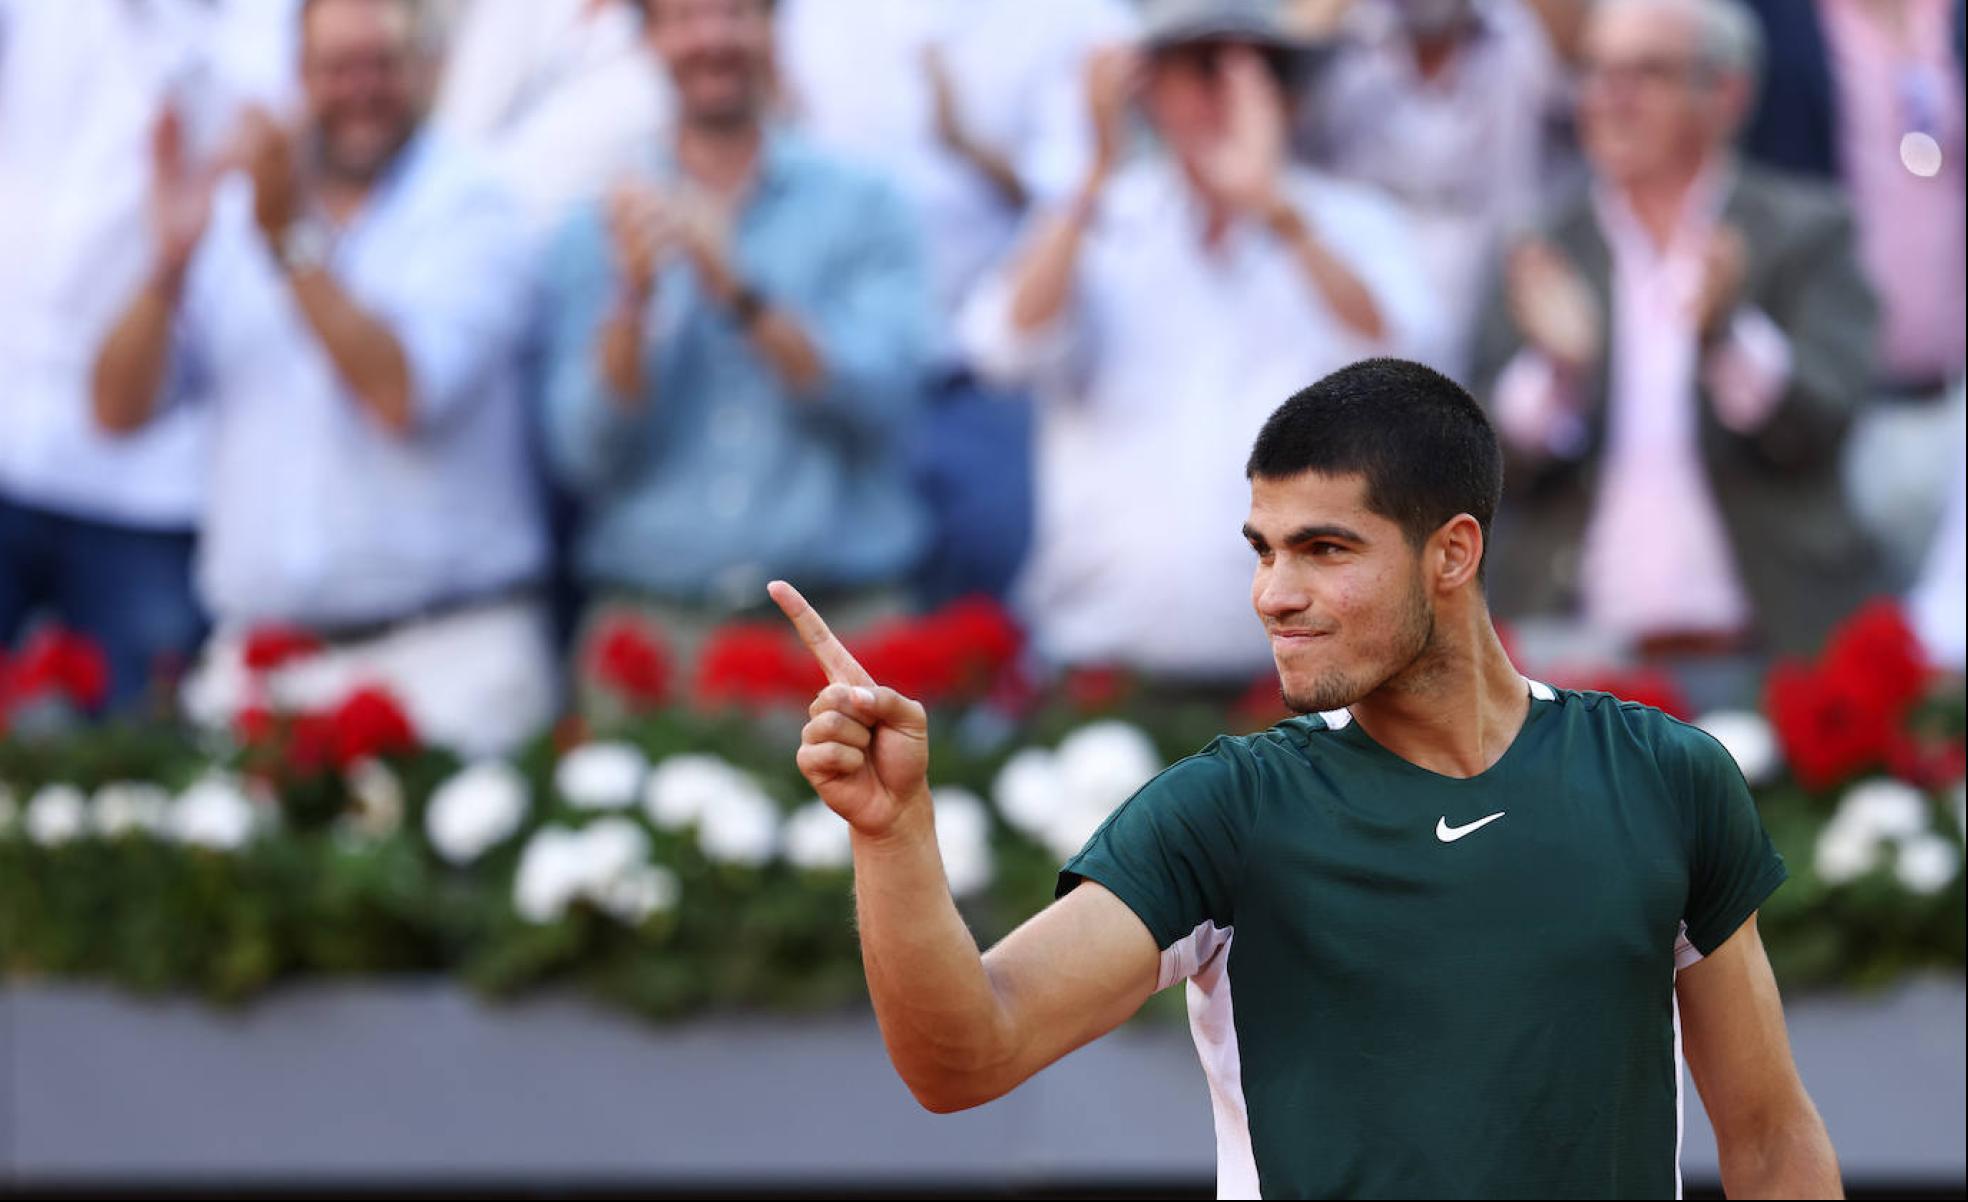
x=605, y=862
x=1029, y=790
x=121, y=807
x=1846, y=851
x=963, y=834
x=683, y=787
x=740, y=828
x=56, y=814
x=817, y=839
x=1887, y=808
x=1749, y=738
x=600, y=776
x=1928, y=863
x=377, y=796
x=549, y=875
x=213, y=813
x=1070, y=829
x=475, y=810
x=1105, y=762
x=639, y=892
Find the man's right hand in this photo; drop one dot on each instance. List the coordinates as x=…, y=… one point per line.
x=1113, y=77
x=180, y=197
x=865, y=748
x=1554, y=308
x=640, y=228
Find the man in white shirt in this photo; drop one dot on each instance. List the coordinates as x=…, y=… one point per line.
x=97, y=532
x=556, y=93
x=1160, y=313
x=975, y=109
x=353, y=319
x=1450, y=105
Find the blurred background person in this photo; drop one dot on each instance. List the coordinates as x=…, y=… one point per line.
x=350, y=312
x=1676, y=359
x=736, y=356
x=1159, y=313
x=1454, y=107
x=973, y=108
x=1869, y=93
x=557, y=94
x=97, y=532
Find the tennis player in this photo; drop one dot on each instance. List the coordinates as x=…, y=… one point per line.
x=1448, y=933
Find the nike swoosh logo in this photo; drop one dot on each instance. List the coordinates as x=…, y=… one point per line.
x=1449, y=834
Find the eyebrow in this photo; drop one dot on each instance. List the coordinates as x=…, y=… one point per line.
x=1307, y=534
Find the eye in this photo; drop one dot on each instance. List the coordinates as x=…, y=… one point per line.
x=1323, y=548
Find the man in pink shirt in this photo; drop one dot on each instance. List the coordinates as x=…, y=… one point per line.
x=1673, y=362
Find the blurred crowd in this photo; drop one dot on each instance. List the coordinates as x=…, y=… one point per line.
x=445, y=330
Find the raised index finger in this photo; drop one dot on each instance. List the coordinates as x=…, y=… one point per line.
x=840, y=666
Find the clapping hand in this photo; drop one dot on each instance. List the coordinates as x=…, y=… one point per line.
x=1554, y=308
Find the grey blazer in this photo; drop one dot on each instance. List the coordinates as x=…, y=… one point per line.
x=1802, y=557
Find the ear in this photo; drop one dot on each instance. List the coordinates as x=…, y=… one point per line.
x=1455, y=552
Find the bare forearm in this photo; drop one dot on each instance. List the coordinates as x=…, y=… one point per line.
x=940, y=1016
x=1044, y=279
x=794, y=356
x=1788, y=1159
x=996, y=170
x=365, y=353
x=619, y=354
x=131, y=365
x=1338, y=287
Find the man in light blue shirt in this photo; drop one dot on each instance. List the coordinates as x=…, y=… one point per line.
x=736, y=351
x=357, y=338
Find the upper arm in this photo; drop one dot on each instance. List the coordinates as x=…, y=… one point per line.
x=1073, y=972
x=1732, y=1032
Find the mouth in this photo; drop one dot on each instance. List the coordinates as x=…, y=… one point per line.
x=1296, y=636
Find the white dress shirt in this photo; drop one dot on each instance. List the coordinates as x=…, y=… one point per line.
x=315, y=514
x=81, y=85
x=1152, y=386
x=561, y=96
x=856, y=82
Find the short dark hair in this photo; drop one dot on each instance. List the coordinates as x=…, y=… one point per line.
x=1425, y=446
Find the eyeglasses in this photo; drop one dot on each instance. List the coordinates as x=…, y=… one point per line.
x=1649, y=73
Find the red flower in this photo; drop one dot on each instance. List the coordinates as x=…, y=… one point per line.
x=914, y=659
x=1830, y=730
x=1095, y=689
x=254, y=726
x=368, y=723
x=1876, y=655
x=311, y=744
x=627, y=657
x=60, y=663
x=1926, y=763
x=1262, y=706
x=756, y=665
x=273, y=647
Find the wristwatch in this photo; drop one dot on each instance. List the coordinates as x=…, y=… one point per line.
x=747, y=305
x=304, y=246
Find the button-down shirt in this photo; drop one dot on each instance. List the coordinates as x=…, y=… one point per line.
x=315, y=513
x=81, y=84
x=1464, y=150
x=858, y=85
x=722, y=477
x=1913, y=229
x=561, y=96
x=1656, y=558
x=1153, y=384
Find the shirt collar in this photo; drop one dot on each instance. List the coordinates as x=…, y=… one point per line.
x=1701, y=208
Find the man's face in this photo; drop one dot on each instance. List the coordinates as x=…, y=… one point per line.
x=1647, y=106
x=1186, y=96
x=719, y=55
x=359, y=71
x=1338, y=587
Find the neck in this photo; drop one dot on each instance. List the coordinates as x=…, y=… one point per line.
x=1432, y=55
x=1458, y=712
x=341, y=199
x=1659, y=200
x=720, y=156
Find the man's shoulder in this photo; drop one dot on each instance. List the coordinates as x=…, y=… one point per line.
x=1770, y=204
x=797, y=161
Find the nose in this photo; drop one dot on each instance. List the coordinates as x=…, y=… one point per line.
x=1277, y=593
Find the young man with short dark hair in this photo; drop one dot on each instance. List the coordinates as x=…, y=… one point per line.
x=1469, y=921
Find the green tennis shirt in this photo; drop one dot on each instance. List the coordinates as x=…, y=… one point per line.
x=1407, y=985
